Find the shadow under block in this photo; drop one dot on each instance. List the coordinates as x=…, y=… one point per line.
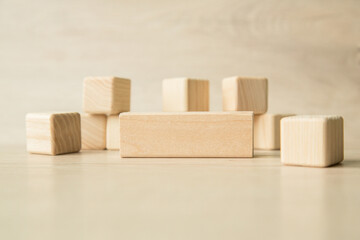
x=187, y=134
x=53, y=133
x=185, y=94
x=113, y=132
x=93, y=132
x=245, y=94
x=267, y=131
x=315, y=141
x=106, y=95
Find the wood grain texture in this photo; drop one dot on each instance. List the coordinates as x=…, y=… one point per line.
x=53, y=133
x=245, y=94
x=93, y=131
x=185, y=94
x=198, y=95
x=309, y=50
x=195, y=134
x=267, y=131
x=113, y=132
x=106, y=95
x=314, y=141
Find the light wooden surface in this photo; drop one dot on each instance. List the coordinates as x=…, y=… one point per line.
x=93, y=131
x=245, y=94
x=106, y=95
x=113, y=132
x=98, y=195
x=53, y=133
x=186, y=134
x=316, y=141
x=267, y=131
x=185, y=94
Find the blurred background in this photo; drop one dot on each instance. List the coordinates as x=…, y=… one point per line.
x=309, y=50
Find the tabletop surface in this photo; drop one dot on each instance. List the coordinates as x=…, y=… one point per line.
x=98, y=195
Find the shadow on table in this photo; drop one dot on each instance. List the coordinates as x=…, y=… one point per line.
x=266, y=153
x=348, y=164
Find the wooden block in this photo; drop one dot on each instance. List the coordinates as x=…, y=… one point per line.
x=245, y=94
x=53, y=133
x=106, y=95
x=185, y=94
x=187, y=134
x=93, y=131
x=315, y=141
x=113, y=132
x=267, y=131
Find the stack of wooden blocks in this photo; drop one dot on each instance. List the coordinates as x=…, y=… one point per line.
x=186, y=128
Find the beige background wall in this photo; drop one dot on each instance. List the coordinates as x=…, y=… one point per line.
x=309, y=50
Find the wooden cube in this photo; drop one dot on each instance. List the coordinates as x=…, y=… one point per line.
x=113, y=132
x=185, y=94
x=315, y=141
x=245, y=94
x=53, y=133
x=93, y=132
x=106, y=95
x=186, y=134
x=267, y=131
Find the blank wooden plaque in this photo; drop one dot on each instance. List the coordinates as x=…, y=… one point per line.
x=187, y=134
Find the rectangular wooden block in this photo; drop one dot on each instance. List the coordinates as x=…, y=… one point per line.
x=106, y=95
x=187, y=134
x=267, y=131
x=185, y=94
x=93, y=131
x=113, y=132
x=53, y=133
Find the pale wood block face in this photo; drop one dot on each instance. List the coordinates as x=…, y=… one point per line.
x=315, y=141
x=93, y=132
x=39, y=135
x=267, y=131
x=53, y=133
x=190, y=134
x=113, y=132
x=175, y=97
x=245, y=94
x=184, y=94
x=106, y=95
